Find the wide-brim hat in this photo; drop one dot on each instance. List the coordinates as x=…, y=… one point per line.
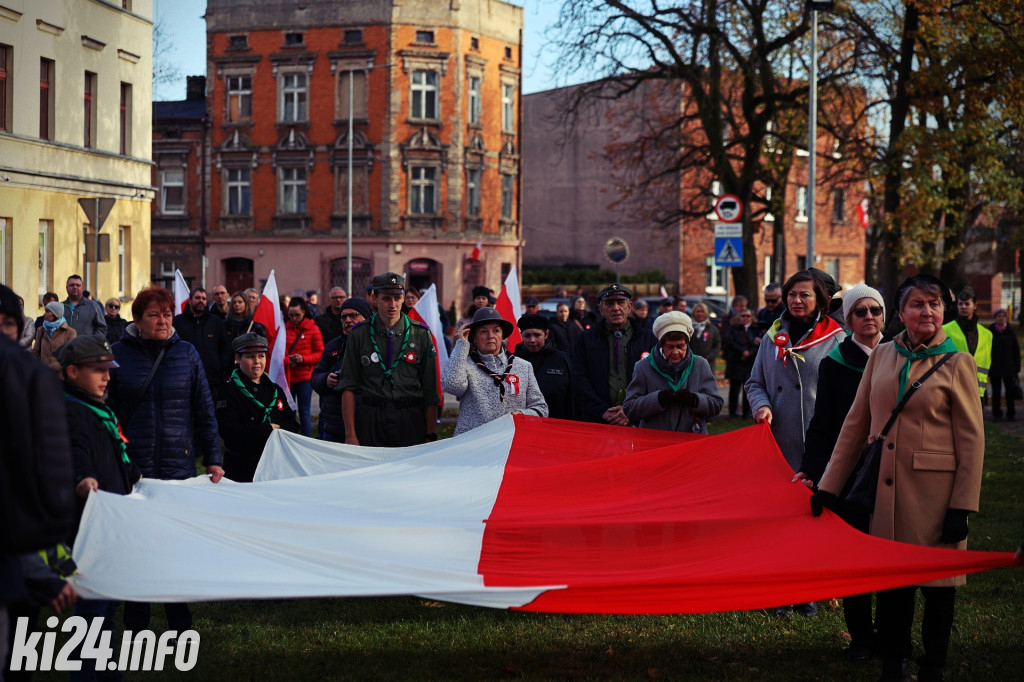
x=488, y=315
x=86, y=350
x=673, y=321
x=250, y=342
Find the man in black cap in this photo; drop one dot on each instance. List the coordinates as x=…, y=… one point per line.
x=532, y=306
x=389, y=361
x=249, y=407
x=327, y=372
x=603, y=359
x=552, y=367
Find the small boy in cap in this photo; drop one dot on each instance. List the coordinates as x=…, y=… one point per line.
x=98, y=451
x=249, y=407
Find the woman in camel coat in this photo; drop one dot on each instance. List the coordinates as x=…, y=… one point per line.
x=53, y=333
x=930, y=474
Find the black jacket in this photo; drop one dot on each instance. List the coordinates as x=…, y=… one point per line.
x=552, y=368
x=590, y=368
x=207, y=334
x=564, y=334
x=242, y=424
x=1005, y=353
x=234, y=327
x=330, y=325
x=115, y=327
x=839, y=376
x=94, y=452
x=331, y=421
x=737, y=340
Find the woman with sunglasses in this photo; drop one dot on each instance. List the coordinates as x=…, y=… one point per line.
x=115, y=323
x=839, y=376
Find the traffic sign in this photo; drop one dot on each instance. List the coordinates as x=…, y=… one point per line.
x=728, y=245
x=96, y=210
x=729, y=208
x=616, y=250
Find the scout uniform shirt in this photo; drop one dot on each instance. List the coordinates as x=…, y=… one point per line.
x=408, y=353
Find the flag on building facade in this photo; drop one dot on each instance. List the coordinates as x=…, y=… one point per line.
x=475, y=256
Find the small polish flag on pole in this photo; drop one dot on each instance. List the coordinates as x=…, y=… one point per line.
x=180, y=292
x=509, y=307
x=862, y=213
x=476, y=251
x=664, y=294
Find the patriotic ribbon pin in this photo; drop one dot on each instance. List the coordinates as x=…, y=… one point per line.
x=513, y=381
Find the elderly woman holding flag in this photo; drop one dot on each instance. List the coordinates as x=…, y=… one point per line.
x=488, y=381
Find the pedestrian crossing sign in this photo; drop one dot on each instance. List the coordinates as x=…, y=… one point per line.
x=728, y=245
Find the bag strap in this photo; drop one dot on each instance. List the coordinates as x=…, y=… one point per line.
x=910, y=391
x=145, y=385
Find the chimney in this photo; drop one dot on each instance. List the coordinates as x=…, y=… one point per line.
x=195, y=88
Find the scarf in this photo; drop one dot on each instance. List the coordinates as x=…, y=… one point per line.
x=388, y=365
x=499, y=379
x=686, y=365
x=946, y=346
x=823, y=330
x=236, y=379
x=109, y=421
x=52, y=327
x=1001, y=327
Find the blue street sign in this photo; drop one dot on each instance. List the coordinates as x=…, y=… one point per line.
x=728, y=245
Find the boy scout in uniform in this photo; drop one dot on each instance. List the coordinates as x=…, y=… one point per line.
x=390, y=361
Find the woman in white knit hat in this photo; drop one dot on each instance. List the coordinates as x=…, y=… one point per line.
x=672, y=388
x=839, y=375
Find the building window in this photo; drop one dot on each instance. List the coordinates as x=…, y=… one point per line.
x=474, y=100
x=89, y=111
x=424, y=95
x=293, y=97
x=508, y=112
x=238, y=42
x=239, y=190
x=46, y=98
x=768, y=216
x=126, y=118
x=239, y=98
x=832, y=268
x=126, y=4
x=424, y=36
x=801, y=203
x=124, y=260
x=45, y=257
x=360, y=189
x=508, y=53
x=423, y=191
x=839, y=206
x=359, y=94
x=166, y=276
x=508, y=192
x=473, y=192
x=353, y=35
x=474, y=43
x=293, y=191
x=294, y=39
x=6, y=82
x=717, y=278
x=172, y=192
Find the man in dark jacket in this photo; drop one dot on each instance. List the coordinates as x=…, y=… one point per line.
x=551, y=366
x=329, y=320
x=325, y=375
x=206, y=332
x=603, y=359
x=773, y=308
x=82, y=314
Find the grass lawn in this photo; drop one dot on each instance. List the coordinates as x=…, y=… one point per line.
x=414, y=639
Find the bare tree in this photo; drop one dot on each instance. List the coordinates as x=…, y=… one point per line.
x=165, y=71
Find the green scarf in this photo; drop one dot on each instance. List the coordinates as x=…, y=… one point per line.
x=236, y=379
x=946, y=346
x=674, y=385
x=109, y=420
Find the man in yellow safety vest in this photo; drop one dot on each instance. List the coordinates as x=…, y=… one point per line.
x=971, y=337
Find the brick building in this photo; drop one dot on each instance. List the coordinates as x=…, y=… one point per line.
x=435, y=149
x=572, y=201
x=181, y=173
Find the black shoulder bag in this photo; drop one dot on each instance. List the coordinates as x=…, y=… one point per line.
x=862, y=486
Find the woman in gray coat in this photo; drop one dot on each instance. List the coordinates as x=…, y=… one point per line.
x=489, y=382
x=672, y=389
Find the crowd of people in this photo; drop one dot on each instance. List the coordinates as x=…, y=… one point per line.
x=150, y=396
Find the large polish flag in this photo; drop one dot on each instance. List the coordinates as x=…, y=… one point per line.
x=522, y=513
x=426, y=312
x=268, y=313
x=510, y=308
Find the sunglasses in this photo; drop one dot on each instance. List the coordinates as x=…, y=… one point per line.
x=772, y=300
x=113, y=307
x=875, y=310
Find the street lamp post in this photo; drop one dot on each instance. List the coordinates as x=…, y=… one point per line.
x=812, y=142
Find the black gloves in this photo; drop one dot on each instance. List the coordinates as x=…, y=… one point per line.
x=682, y=397
x=821, y=499
x=954, y=528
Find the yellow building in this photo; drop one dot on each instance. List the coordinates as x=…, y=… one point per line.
x=75, y=122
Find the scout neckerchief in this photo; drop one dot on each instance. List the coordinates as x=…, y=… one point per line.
x=946, y=346
x=822, y=331
x=236, y=379
x=499, y=379
x=676, y=384
x=392, y=360
x=109, y=420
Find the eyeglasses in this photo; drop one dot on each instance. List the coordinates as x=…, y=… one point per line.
x=772, y=301
x=875, y=310
x=351, y=316
x=745, y=315
x=113, y=307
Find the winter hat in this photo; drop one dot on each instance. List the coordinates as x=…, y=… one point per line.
x=673, y=321
x=360, y=305
x=56, y=308
x=9, y=306
x=862, y=290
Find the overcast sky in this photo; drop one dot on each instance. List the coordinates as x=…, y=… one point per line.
x=185, y=29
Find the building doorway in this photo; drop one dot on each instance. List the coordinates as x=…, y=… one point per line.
x=238, y=274
x=420, y=273
x=362, y=275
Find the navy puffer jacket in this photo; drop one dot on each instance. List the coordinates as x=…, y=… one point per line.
x=174, y=421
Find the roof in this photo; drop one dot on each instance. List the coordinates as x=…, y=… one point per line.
x=184, y=108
